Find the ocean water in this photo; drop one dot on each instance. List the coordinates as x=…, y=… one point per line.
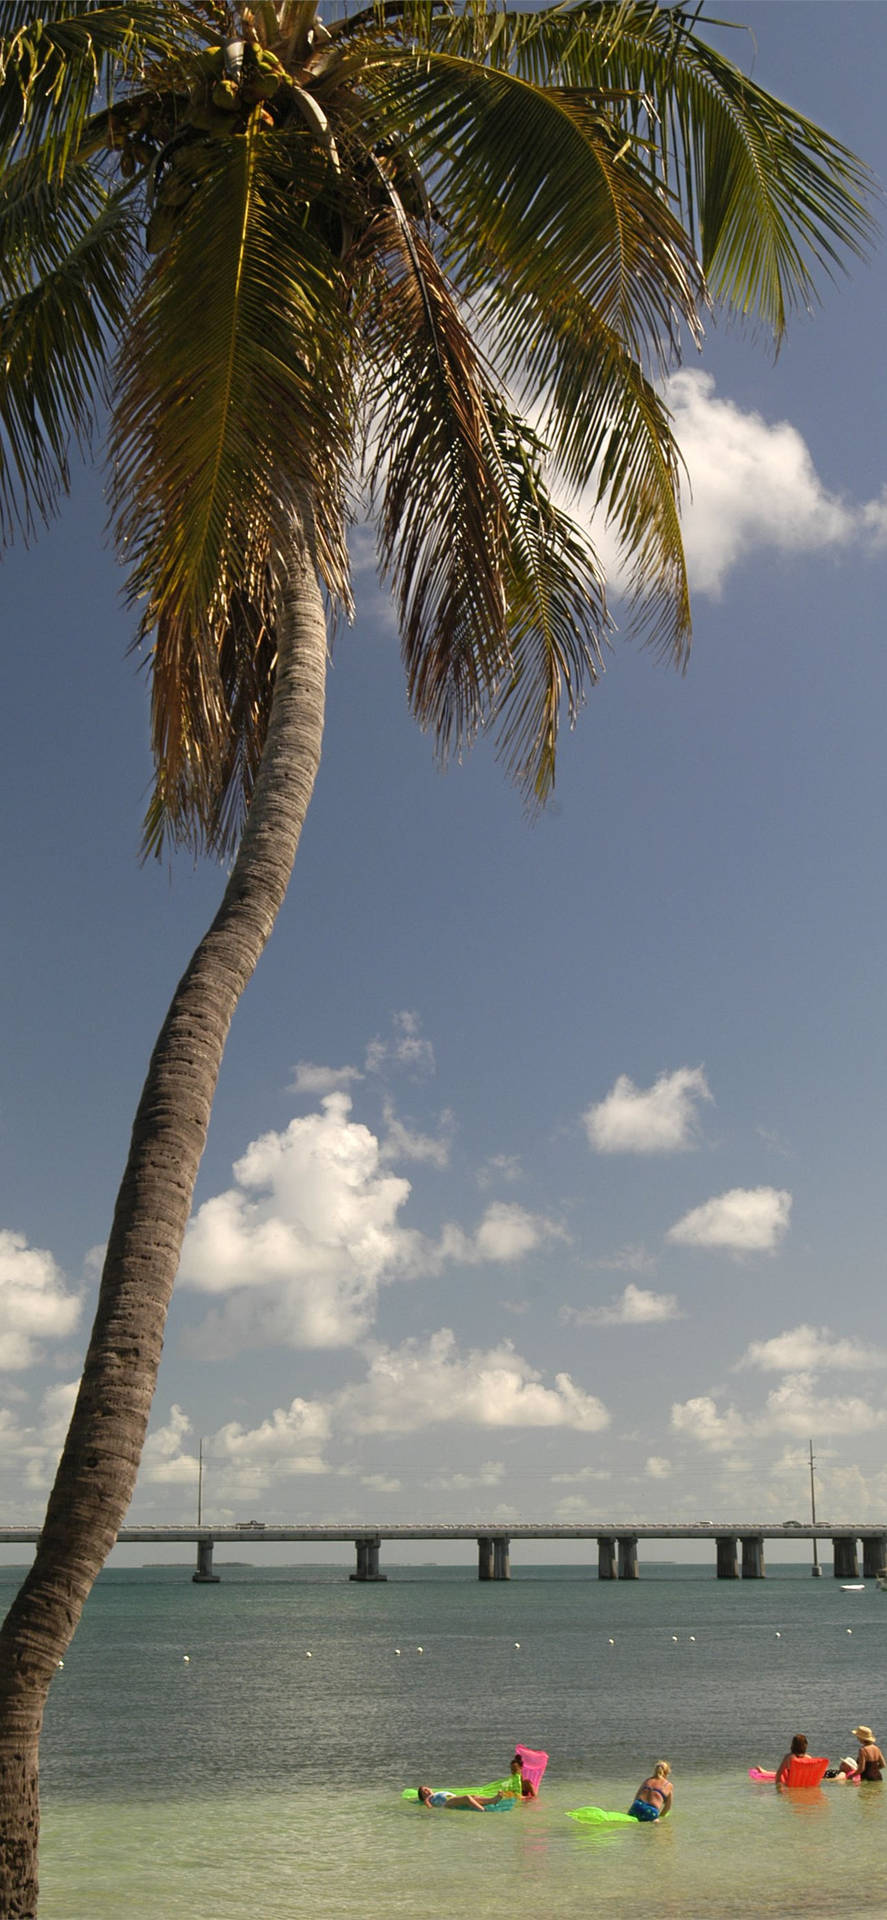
x=250, y=1780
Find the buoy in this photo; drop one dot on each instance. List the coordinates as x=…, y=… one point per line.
x=420, y=1649
x=693, y=1638
x=849, y=1629
x=187, y=1659
x=517, y=1644
x=612, y=1643
x=779, y=1636
x=397, y=1649
x=674, y=1636
x=307, y=1654
x=60, y=1663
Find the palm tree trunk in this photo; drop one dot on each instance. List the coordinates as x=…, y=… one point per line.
x=98, y=1467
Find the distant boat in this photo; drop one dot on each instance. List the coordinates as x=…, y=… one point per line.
x=858, y=1586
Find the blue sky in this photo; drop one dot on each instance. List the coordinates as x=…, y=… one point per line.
x=546, y=1173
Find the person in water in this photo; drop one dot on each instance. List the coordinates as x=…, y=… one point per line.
x=518, y=1784
x=654, y=1796
x=870, y=1760
x=797, y=1748
x=469, y=1802
x=846, y=1769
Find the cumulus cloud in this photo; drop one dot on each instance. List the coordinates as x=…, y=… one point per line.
x=401, y=1142
x=657, y=1468
x=35, y=1305
x=406, y=1049
x=423, y=1384
x=506, y=1232
x=753, y=486
x=310, y=1079
x=745, y=1220
x=636, y=1307
x=657, y=1119
x=164, y=1463
x=802, y=1348
x=700, y=1420
x=490, y=1474
x=301, y=1243
x=797, y=1406
x=303, y=1239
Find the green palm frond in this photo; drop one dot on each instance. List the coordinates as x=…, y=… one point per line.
x=57, y=57
x=226, y=407
x=557, y=610
x=537, y=189
x=442, y=522
x=765, y=193
x=610, y=432
x=66, y=265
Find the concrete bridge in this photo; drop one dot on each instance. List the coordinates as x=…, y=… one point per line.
x=739, y=1545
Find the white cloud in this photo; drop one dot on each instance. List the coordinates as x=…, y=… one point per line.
x=804, y=1347
x=657, y=1119
x=657, y=1468
x=407, y=1048
x=405, y=1143
x=745, y=1220
x=490, y=1474
x=636, y=1307
x=308, y=1078
x=700, y=1420
x=506, y=1232
x=753, y=485
x=303, y=1240
x=56, y=1408
x=381, y=1482
x=35, y=1305
x=797, y=1406
x=163, y=1461
x=420, y=1385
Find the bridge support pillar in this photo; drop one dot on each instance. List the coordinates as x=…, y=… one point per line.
x=753, y=1556
x=203, y=1573
x=846, y=1558
x=628, y=1556
x=501, y=1557
x=728, y=1557
x=367, y=1560
x=874, y=1555
x=484, y=1557
x=606, y=1557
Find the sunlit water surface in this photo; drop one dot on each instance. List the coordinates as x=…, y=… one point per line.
x=250, y=1780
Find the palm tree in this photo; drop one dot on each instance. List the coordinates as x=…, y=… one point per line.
x=417, y=252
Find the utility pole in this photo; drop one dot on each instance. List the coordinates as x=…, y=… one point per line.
x=816, y=1569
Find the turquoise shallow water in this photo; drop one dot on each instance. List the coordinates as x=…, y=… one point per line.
x=252, y=1780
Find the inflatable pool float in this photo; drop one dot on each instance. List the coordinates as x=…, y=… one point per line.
x=806, y=1770
x=601, y=1817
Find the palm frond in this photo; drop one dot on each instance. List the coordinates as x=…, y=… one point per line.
x=586, y=212
x=233, y=395
x=66, y=266
x=57, y=59
x=557, y=610
x=766, y=194
x=442, y=522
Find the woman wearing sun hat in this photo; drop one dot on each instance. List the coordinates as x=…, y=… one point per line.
x=870, y=1760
